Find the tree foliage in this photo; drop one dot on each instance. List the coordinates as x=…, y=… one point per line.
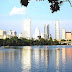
x=55, y=4
x=26, y=42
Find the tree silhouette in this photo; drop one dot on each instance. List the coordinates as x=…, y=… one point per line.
x=55, y=4
x=24, y=2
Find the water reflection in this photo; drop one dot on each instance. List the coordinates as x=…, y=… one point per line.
x=57, y=59
x=63, y=55
x=36, y=59
x=26, y=59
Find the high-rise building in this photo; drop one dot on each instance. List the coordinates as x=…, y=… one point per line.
x=37, y=33
x=2, y=34
x=57, y=30
x=63, y=34
x=26, y=29
x=46, y=31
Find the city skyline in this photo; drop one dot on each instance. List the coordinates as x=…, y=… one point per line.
x=32, y=35
x=12, y=15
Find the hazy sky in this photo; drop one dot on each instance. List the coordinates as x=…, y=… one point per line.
x=12, y=15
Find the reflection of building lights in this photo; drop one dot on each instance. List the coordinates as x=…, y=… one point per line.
x=63, y=55
x=26, y=58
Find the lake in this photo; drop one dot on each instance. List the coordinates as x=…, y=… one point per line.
x=36, y=59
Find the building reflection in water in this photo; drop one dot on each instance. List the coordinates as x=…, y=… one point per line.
x=26, y=59
x=31, y=59
x=7, y=55
x=36, y=55
x=63, y=55
x=2, y=57
x=69, y=53
x=57, y=59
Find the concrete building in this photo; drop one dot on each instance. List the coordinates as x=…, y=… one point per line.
x=37, y=33
x=63, y=34
x=12, y=33
x=2, y=34
x=42, y=35
x=57, y=30
x=46, y=31
x=20, y=35
x=26, y=29
x=68, y=36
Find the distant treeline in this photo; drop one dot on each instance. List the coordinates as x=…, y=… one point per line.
x=27, y=42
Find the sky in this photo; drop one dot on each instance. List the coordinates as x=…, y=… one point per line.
x=12, y=15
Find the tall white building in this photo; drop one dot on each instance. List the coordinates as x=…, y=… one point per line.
x=37, y=33
x=26, y=29
x=63, y=34
x=42, y=35
x=57, y=30
x=46, y=31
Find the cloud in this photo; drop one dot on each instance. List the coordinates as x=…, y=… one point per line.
x=16, y=11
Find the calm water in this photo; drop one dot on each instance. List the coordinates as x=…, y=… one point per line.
x=36, y=59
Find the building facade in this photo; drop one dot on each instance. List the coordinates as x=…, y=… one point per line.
x=37, y=33
x=57, y=30
x=68, y=36
x=46, y=31
x=2, y=34
x=63, y=34
x=26, y=29
x=12, y=33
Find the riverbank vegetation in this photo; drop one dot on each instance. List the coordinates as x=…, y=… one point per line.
x=27, y=42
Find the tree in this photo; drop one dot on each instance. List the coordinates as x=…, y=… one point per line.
x=56, y=42
x=24, y=2
x=55, y=4
x=50, y=41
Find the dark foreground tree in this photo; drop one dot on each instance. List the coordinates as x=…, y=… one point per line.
x=55, y=4
x=24, y=2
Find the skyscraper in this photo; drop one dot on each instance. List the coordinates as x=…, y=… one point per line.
x=46, y=31
x=26, y=30
x=57, y=30
x=63, y=34
x=37, y=33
